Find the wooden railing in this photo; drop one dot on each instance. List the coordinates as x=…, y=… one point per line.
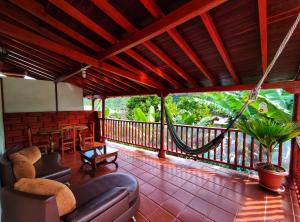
x=236, y=150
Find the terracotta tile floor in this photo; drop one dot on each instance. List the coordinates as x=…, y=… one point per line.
x=174, y=189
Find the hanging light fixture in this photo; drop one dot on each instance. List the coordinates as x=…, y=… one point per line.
x=83, y=73
x=263, y=107
x=26, y=76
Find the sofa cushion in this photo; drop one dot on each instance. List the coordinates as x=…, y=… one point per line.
x=22, y=167
x=48, y=167
x=32, y=153
x=65, y=199
x=103, y=184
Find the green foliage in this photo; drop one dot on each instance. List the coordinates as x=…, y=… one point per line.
x=107, y=112
x=267, y=131
x=139, y=115
x=144, y=103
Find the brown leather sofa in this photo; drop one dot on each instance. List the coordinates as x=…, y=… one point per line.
x=113, y=197
x=47, y=167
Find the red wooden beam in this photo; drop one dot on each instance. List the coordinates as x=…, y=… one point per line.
x=93, y=80
x=139, y=73
x=83, y=19
x=179, y=40
x=107, y=80
x=175, y=18
x=34, y=39
x=109, y=10
x=122, y=21
x=191, y=54
x=213, y=32
x=130, y=84
x=38, y=11
x=262, y=13
x=134, y=77
x=160, y=54
x=153, y=68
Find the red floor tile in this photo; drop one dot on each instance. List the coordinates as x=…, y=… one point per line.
x=162, y=215
x=218, y=214
x=201, y=206
x=146, y=188
x=158, y=196
x=173, y=206
x=183, y=196
x=147, y=206
x=190, y=215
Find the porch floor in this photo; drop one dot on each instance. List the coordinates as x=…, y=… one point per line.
x=175, y=189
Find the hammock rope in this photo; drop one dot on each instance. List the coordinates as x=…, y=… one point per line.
x=252, y=97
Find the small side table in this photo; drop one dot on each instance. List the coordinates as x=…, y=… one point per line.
x=50, y=132
x=97, y=156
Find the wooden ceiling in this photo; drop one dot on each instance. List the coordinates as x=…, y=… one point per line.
x=147, y=46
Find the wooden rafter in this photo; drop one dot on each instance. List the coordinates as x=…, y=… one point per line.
x=175, y=18
x=109, y=10
x=213, y=32
x=122, y=21
x=83, y=19
x=139, y=73
x=106, y=80
x=166, y=59
x=38, y=11
x=93, y=80
x=262, y=13
x=152, y=67
x=34, y=39
x=120, y=80
x=179, y=40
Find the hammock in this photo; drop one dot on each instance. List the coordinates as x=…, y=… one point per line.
x=252, y=97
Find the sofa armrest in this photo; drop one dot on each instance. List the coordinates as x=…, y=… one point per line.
x=25, y=207
x=116, y=199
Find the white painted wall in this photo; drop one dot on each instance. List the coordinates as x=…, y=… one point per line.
x=23, y=95
x=70, y=97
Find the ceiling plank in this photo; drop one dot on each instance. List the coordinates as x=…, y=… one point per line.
x=213, y=32
x=31, y=38
x=262, y=13
x=179, y=40
x=152, y=67
x=166, y=59
x=110, y=11
x=122, y=21
x=106, y=80
x=119, y=79
x=38, y=11
x=83, y=19
x=133, y=69
x=175, y=18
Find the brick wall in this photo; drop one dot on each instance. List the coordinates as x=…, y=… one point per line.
x=16, y=124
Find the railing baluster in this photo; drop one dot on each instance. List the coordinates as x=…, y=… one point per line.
x=228, y=148
x=236, y=144
x=252, y=153
x=197, y=140
x=260, y=152
x=156, y=137
x=203, y=138
x=208, y=140
x=215, y=149
x=244, y=149
x=222, y=147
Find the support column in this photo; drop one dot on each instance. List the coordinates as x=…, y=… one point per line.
x=295, y=157
x=103, y=120
x=93, y=104
x=162, y=152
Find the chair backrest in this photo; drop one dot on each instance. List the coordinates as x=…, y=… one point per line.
x=67, y=132
x=29, y=136
x=92, y=129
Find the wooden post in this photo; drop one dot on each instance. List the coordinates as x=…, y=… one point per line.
x=103, y=120
x=93, y=104
x=162, y=152
x=294, y=146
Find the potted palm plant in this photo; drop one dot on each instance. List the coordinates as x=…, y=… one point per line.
x=269, y=133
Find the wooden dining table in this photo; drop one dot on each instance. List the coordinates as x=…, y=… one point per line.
x=57, y=130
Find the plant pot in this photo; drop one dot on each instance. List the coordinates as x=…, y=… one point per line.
x=269, y=179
